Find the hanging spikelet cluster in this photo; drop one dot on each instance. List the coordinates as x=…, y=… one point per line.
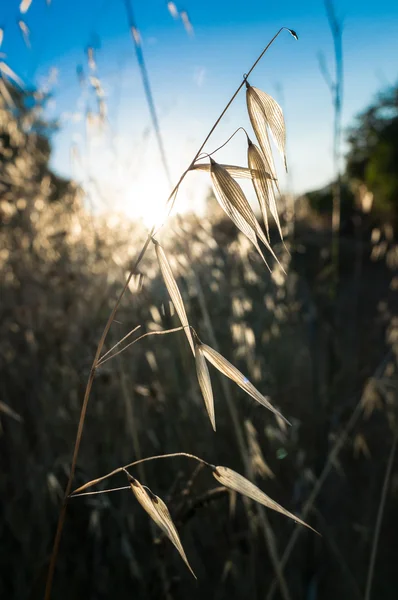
x=266, y=119
x=159, y=512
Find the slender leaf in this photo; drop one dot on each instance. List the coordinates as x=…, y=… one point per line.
x=227, y=369
x=238, y=483
x=202, y=372
x=173, y=290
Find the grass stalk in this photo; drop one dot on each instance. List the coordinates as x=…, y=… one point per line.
x=169, y=206
x=379, y=519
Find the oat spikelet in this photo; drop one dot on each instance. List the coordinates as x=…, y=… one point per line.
x=158, y=511
x=24, y=6
x=202, y=372
x=25, y=32
x=172, y=10
x=238, y=483
x=5, y=70
x=263, y=184
x=227, y=369
x=7, y=410
x=233, y=201
x=91, y=58
x=187, y=23
x=259, y=125
x=6, y=94
x=1, y=36
x=173, y=290
x=265, y=111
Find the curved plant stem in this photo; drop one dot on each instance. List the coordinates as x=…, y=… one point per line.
x=105, y=358
x=134, y=464
x=169, y=206
x=118, y=344
x=379, y=519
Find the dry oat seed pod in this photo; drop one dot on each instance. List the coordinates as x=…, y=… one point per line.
x=265, y=112
x=227, y=369
x=158, y=511
x=232, y=480
x=263, y=184
x=202, y=372
x=173, y=290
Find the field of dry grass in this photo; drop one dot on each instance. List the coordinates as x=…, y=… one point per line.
x=323, y=348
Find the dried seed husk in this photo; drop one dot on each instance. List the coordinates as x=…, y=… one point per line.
x=202, y=372
x=234, y=481
x=24, y=6
x=259, y=124
x=272, y=116
x=173, y=290
x=25, y=32
x=158, y=511
x=227, y=369
x=8, y=72
x=263, y=185
x=233, y=201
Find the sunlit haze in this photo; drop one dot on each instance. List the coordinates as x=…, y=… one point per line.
x=192, y=77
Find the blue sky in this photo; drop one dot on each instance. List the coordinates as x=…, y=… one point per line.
x=193, y=77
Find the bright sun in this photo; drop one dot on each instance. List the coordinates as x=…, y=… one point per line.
x=143, y=195
x=134, y=183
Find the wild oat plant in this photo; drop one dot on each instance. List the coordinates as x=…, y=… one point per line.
x=267, y=120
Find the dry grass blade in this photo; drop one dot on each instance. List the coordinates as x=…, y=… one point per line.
x=202, y=372
x=233, y=170
x=173, y=290
x=172, y=10
x=187, y=23
x=227, y=369
x=263, y=184
x=7, y=410
x=235, y=204
x=158, y=511
x=273, y=116
x=259, y=124
x=24, y=6
x=25, y=32
x=6, y=94
x=5, y=70
x=1, y=36
x=238, y=483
